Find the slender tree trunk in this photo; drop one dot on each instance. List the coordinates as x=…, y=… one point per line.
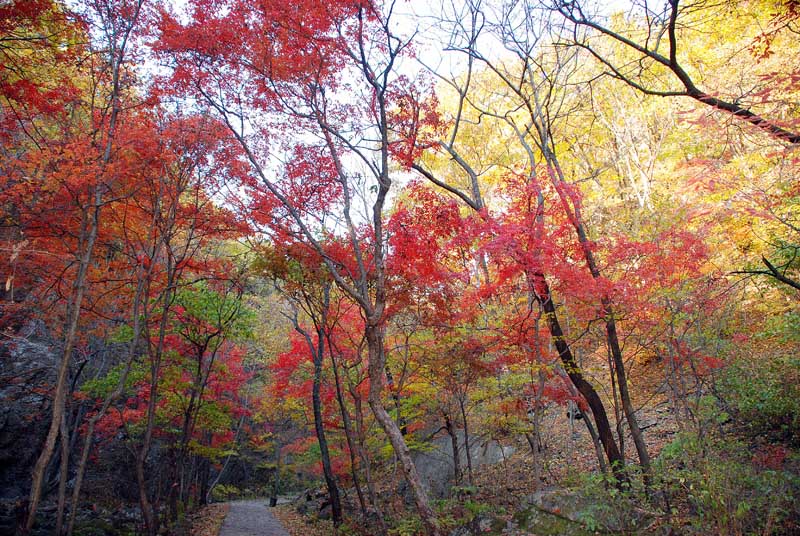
x=615, y=399
x=598, y=446
x=63, y=475
x=581, y=384
x=91, y=222
x=465, y=422
x=148, y=513
x=365, y=460
x=453, y=433
x=348, y=430
x=211, y=485
x=110, y=399
x=395, y=394
x=276, y=484
x=574, y=214
x=330, y=479
x=535, y=437
x=174, y=483
x=205, y=478
x=317, y=355
x=377, y=366
x=624, y=394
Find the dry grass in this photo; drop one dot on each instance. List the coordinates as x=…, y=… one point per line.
x=299, y=525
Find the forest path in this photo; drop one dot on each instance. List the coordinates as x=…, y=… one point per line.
x=251, y=518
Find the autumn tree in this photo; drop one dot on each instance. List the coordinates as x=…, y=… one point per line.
x=303, y=281
x=293, y=73
x=76, y=162
x=660, y=65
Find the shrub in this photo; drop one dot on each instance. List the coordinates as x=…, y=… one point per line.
x=725, y=489
x=764, y=394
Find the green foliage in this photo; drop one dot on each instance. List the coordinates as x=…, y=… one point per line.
x=727, y=488
x=475, y=508
x=784, y=328
x=219, y=310
x=103, y=386
x=764, y=393
x=603, y=504
x=409, y=525
x=123, y=334
x=225, y=492
x=414, y=445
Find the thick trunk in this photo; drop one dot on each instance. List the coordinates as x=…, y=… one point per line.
x=573, y=212
x=584, y=387
x=389, y=426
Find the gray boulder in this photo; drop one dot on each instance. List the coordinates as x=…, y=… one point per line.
x=435, y=465
x=27, y=368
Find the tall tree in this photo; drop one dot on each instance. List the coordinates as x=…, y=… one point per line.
x=294, y=69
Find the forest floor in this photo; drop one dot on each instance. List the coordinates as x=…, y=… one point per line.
x=300, y=525
x=208, y=520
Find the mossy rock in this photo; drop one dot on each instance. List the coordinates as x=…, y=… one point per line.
x=543, y=523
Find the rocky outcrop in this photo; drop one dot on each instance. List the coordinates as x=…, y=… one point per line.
x=27, y=371
x=435, y=465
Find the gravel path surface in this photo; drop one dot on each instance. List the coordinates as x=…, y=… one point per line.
x=251, y=518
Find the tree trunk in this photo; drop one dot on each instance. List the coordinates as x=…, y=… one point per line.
x=110, y=399
x=348, y=430
x=462, y=407
x=62, y=477
x=91, y=222
x=598, y=446
x=317, y=356
x=376, y=371
x=584, y=387
x=276, y=485
x=453, y=433
x=362, y=453
x=148, y=512
x=624, y=394
x=573, y=212
x=330, y=479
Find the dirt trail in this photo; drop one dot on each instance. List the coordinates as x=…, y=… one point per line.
x=251, y=518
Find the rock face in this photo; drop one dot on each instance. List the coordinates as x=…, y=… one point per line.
x=481, y=525
x=27, y=370
x=435, y=466
x=313, y=502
